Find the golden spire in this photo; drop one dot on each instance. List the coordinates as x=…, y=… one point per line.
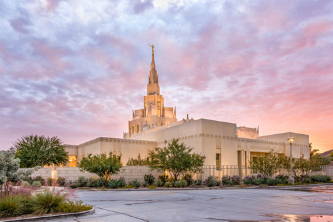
x=153, y=87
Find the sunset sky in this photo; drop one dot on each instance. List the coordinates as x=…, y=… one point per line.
x=76, y=69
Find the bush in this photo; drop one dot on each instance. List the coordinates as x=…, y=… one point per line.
x=94, y=182
x=303, y=179
x=159, y=183
x=61, y=181
x=163, y=178
x=72, y=207
x=271, y=182
x=188, y=178
x=49, y=181
x=235, y=180
x=320, y=179
x=36, y=184
x=47, y=202
x=180, y=183
x=135, y=183
x=226, y=180
x=15, y=205
x=197, y=182
x=282, y=179
x=121, y=182
x=211, y=181
x=168, y=184
x=149, y=179
x=249, y=180
x=113, y=184
x=82, y=182
x=40, y=179
x=25, y=183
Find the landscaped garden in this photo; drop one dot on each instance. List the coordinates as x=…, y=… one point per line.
x=22, y=195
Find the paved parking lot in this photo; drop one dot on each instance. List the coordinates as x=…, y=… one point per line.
x=204, y=205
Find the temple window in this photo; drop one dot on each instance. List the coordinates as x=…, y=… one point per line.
x=72, y=161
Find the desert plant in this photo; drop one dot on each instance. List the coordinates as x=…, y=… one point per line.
x=134, y=183
x=50, y=181
x=211, y=181
x=180, y=183
x=226, y=180
x=282, y=179
x=72, y=206
x=197, y=182
x=121, y=182
x=40, y=151
x=320, y=178
x=11, y=206
x=271, y=182
x=25, y=183
x=188, y=178
x=82, y=182
x=61, y=181
x=159, y=183
x=249, y=180
x=40, y=179
x=36, y=183
x=163, y=178
x=8, y=167
x=47, y=202
x=149, y=179
x=168, y=184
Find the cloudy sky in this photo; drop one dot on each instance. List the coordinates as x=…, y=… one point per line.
x=75, y=69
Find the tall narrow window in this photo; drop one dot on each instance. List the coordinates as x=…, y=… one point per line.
x=218, y=161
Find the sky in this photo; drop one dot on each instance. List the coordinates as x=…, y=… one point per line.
x=76, y=69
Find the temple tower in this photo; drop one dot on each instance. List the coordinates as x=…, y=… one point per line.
x=154, y=113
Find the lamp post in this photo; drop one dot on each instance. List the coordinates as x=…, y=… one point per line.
x=291, y=140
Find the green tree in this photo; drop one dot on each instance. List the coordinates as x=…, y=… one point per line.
x=269, y=164
x=176, y=158
x=103, y=165
x=40, y=151
x=9, y=166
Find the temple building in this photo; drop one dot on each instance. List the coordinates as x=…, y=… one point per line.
x=222, y=143
x=154, y=113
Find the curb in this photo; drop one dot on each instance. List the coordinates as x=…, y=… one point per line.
x=284, y=187
x=36, y=218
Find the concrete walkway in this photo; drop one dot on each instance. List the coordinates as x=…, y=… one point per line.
x=206, y=205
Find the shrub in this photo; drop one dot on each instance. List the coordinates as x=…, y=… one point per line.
x=282, y=179
x=159, y=183
x=121, y=182
x=14, y=205
x=49, y=181
x=271, y=182
x=25, y=183
x=197, y=182
x=320, y=178
x=47, y=202
x=149, y=179
x=36, y=183
x=40, y=179
x=168, y=184
x=135, y=183
x=249, y=180
x=61, y=181
x=188, y=178
x=93, y=182
x=82, y=182
x=235, y=180
x=72, y=207
x=113, y=184
x=303, y=179
x=211, y=181
x=180, y=183
x=163, y=178
x=226, y=180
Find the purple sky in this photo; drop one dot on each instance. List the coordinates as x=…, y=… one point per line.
x=75, y=69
